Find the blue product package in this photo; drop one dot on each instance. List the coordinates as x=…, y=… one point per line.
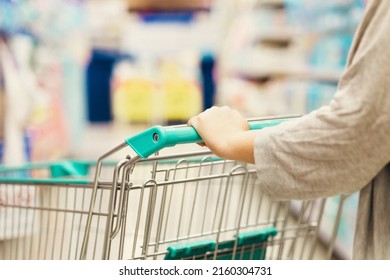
x=207, y=66
x=182, y=17
x=1, y=151
x=331, y=52
x=319, y=94
x=98, y=77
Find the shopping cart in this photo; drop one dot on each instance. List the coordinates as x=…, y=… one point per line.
x=157, y=203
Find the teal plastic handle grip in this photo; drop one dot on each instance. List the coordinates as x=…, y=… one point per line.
x=157, y=138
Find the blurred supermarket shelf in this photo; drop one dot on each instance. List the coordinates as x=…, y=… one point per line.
x=270, y=2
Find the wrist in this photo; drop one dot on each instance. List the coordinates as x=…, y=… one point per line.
x=239, y=146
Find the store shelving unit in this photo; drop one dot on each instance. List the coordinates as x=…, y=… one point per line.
x=51, y=108
x=264, y=46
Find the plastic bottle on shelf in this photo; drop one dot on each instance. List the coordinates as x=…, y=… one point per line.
x=180, y=88
x=133, y=91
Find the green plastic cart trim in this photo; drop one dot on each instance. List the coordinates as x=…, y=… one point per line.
x=182, y=251
x=39, y=181
x=249, y=247
x=57, y=169
x=250, y=238
x=69, y=168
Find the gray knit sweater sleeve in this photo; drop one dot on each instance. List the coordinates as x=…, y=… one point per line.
x=338, y=148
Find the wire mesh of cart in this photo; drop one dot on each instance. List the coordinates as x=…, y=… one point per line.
x=158, y=203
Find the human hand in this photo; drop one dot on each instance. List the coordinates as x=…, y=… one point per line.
x=225, y=132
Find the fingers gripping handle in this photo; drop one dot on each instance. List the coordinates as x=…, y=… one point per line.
x=156, y=138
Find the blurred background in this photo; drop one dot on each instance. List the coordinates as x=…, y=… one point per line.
x=79, y=76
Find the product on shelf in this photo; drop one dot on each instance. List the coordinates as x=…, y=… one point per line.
x=132, y=95
x=161, y=93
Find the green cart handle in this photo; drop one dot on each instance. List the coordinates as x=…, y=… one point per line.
x=156, y=138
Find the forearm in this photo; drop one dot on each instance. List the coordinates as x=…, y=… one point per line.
x=239, y=146
x=323, y=154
